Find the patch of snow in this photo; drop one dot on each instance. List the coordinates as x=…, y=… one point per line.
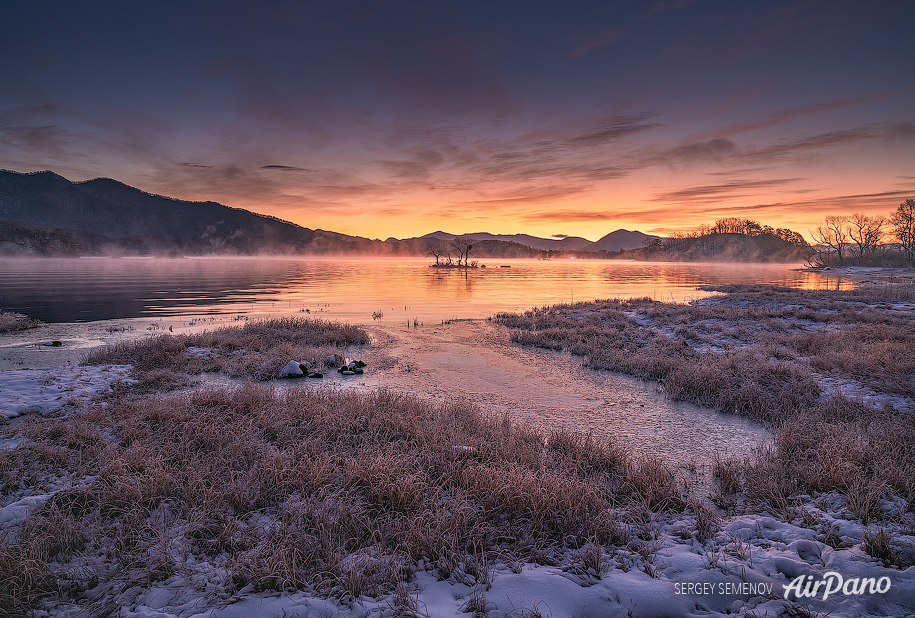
x=198, y=352
x=16, y=513
x=49, y=390
x=853, y=389
x=8, y=444
x=746, y=567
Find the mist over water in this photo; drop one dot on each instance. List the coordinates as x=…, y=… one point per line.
x=352, y=289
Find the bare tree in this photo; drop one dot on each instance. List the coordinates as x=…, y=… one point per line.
x=436, y=250
x=833, y=235
x=903, y=224
x=652, y=244
x=866, y=232
x=463, y=245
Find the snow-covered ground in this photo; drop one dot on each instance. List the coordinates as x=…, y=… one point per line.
x=49, y=390
x=744, y=570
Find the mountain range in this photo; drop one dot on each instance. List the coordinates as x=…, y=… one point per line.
x=43, y=213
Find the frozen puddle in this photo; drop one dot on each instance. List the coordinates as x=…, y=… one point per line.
x=49, y=390
x=476, y=361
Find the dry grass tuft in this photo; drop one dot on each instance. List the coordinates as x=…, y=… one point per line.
x=258, y=350
x=769, y=353
x=878, y=544
x=10, y=322
x=338, y=492
x=706, y=520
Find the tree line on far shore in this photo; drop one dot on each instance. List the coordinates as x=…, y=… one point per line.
x=730, y=238
x=862, y=240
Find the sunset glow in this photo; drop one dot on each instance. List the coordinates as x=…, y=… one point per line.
x=398, y=119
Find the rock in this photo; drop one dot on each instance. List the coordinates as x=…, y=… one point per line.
x=315, y=374
x=331, y=360
x=347, y=373
x=358, y=371
x=360, y=364
x=53, y=344
x=306, y=367
x=292, y=370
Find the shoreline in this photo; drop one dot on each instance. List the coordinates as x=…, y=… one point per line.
x=747, y=559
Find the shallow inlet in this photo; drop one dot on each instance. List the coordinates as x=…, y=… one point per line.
x=475, y=361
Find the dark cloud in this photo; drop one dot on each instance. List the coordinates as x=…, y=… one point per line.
x=34, y=131
x=591, y=43
x=721, y=192
x=787, y=115
x=671, y=5
x=710, y=151
x=530, y=194
x=612, y=129
x=832, y=204
x=419, y=166
x=196, y=165
x=658, y=215
x=286, y=168
x=568, y=215
x=560, y=235
x=449, y=186
x=789, y=148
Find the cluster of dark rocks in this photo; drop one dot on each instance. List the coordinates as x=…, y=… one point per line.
x=295, y=369
x=352, y=368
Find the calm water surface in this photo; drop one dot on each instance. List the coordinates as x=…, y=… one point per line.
x=85, y=289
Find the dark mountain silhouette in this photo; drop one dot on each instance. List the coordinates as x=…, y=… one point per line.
x=620, y=240
x=107, y=216
x=569, y=243
x=42, y=213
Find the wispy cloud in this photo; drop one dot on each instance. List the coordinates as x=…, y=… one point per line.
x=612, y=129
x=286, y=168
x=528, y=195
x=721, y=192
x=787, y=115
x=590, y=43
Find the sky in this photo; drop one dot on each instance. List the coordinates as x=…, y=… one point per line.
x=403, y=117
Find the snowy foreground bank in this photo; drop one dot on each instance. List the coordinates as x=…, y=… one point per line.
x=49, y=390
x=744, y=571
x=196, y=504
x=745, y=567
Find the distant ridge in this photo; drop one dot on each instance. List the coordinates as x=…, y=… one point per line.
x=43, y=213
x=620, y=240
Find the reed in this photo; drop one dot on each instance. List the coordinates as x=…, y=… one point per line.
x=338, y=492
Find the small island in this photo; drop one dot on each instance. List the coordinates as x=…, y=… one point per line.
x=462, y=245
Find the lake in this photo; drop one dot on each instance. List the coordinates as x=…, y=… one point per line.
x=352, y=289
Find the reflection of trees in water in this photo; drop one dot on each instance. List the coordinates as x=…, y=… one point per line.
x=455, y=281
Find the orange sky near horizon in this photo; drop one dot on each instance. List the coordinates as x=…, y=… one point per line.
x=382, y=119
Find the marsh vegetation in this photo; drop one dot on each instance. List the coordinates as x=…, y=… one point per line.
x=257, y=351
x=349, y=494
x=832, y=371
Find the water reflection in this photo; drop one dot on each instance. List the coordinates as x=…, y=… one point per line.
x=58, y=290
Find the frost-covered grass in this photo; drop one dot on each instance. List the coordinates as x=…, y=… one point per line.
x=10, y=322
x=771, y=354
x=341, y=493
x=258, y=350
